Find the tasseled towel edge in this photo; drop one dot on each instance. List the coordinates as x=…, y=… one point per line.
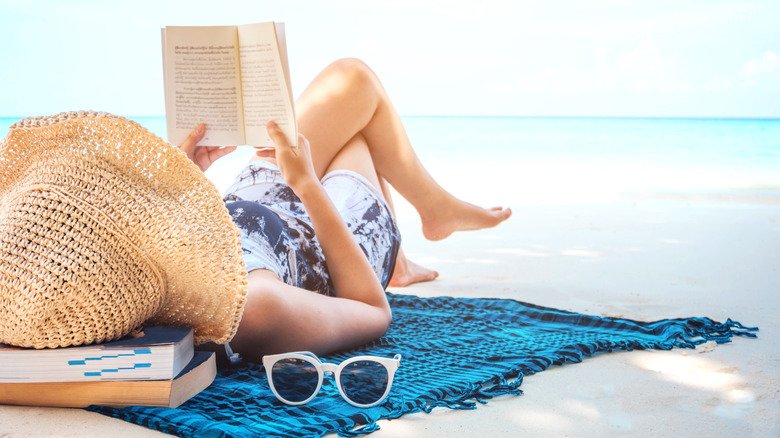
x=680, y=333
x=464, y=399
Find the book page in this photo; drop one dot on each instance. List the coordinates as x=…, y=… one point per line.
x=281, y=39
x=265, y=82
x=203, y=84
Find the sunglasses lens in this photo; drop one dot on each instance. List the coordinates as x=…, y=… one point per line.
x=295, y=380
x=364, y=382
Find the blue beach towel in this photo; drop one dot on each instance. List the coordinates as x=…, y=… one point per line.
x=456, y=352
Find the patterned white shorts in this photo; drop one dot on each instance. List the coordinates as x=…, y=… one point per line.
x=276, y=232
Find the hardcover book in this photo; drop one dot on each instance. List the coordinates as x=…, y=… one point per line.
x=194, y=378
x=158, y=353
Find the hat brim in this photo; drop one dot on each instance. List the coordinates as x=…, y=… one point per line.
x=157, y=198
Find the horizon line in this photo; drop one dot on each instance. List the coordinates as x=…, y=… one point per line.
x=511, y=116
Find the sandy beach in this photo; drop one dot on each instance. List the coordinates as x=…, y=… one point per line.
x=643, y=172
x=642, y=256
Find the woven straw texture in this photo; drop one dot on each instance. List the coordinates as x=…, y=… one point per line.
x=105, y=227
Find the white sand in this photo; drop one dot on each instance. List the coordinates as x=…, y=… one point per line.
x=639, y=258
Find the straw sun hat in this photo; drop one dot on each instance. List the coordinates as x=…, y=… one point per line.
x=105, y=227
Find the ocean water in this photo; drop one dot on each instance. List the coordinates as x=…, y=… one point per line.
x=500, y=160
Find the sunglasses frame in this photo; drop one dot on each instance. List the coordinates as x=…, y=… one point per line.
x=391, y=365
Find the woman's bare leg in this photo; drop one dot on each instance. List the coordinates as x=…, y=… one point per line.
x=355, y=156
x=406, y=272
x=347, y=99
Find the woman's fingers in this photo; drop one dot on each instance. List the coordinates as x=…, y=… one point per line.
x=202, y=156
x=220, y=152
x=189, y=143
x=276, y=134
x=294, y=162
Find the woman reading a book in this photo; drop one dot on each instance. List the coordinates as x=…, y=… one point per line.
x=318, y=218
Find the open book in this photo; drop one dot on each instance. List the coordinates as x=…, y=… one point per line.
x=232, y=78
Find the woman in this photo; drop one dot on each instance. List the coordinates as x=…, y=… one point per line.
x=358, y=145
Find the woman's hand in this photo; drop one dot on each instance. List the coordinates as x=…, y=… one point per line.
x=203, y=156
x=294, y=162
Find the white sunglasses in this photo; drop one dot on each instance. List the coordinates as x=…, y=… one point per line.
x=363, y=381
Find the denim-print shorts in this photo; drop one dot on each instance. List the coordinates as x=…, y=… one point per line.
x=277, y=235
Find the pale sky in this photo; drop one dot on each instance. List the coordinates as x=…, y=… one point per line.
x=658, y=58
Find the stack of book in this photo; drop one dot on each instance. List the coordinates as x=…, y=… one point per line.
x=158, y=367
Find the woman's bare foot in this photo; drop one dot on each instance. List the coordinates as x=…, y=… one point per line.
x=407, y=272
x=459, y=215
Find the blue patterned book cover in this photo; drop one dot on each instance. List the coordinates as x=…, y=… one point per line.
x=159, y=353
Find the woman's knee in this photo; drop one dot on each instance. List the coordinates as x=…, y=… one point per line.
x=355, y=74
x=356, y=156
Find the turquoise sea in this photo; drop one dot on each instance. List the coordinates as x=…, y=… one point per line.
x=527, y=159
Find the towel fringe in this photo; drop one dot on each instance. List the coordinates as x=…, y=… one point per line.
x=684, y=333
x=701, y=330
x=360, y=431
x=464, y=399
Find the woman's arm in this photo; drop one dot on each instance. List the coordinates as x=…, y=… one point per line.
x=279, y=317
x=352, y=275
